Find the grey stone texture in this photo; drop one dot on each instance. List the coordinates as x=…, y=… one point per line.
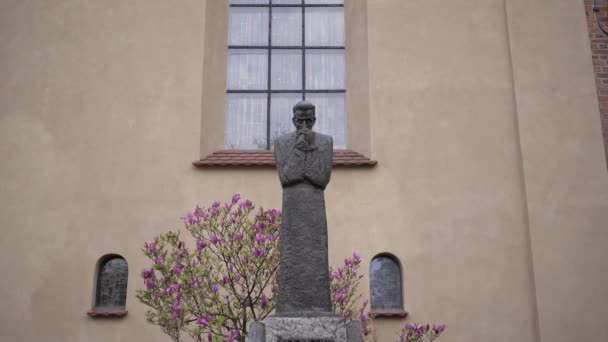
x=303, y=312
x=305, y=329
x=257, y=332
x=354, y=331
x=303, y=160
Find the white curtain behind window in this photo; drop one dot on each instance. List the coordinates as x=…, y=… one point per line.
x=324, y=26
x=249, y=71
x=331, y=118
x=286, y=26
x=246, y=122
x=248, y=26
x=286, y=71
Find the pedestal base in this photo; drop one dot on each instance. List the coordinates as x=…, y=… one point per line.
x=306, y=329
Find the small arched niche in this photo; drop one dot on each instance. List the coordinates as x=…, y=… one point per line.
x=111, y=277
x=386, y=288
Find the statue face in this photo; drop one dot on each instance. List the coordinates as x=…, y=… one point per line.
x=304, y=119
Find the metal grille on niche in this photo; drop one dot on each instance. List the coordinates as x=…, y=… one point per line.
x=385, y=284
x=112, y=283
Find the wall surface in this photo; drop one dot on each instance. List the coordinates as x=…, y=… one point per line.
x=491, y=185
x=564, y=167
x=443, y=130
x=99, y=122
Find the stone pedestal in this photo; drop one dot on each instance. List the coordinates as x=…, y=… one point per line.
x=306, y=329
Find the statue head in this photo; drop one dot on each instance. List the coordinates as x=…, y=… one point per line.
x=303, y=115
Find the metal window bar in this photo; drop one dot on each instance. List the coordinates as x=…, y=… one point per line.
x=286, y=5
x=293, y=47
x=269, y=71
x=269, y=49
x=284, y=91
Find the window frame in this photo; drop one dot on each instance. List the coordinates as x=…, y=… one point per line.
x=376, y=312
x=112, y=310
x=214, y=92
x=269, y=47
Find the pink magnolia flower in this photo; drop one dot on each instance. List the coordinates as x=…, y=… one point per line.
x=247, y=204
x=177, y=309
x=147, y=273
x=152, y=248
x=341, y=296
x=438, y=329
x=149, y=283
x=356, y=257
x=258, y=252
x=177, y=269
x=192, y=219
x=238, y=236
x=182, y=254
x=263, y=301
x=200, y=245
x=205, y=320
x=174, y=288
x=338, y=274
x=234, y=335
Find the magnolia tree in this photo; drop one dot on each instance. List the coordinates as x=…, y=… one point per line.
x=420, y=333
x=223, y=276
x=212, y=284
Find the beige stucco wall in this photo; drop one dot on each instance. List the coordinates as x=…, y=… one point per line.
x=563, y=166
x=490, y=188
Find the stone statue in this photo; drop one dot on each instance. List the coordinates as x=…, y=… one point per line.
x=303, y=312
x=303, y=159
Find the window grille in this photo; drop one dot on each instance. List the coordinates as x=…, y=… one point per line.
x=112, y=277
x=385, y=284
x=281, y=52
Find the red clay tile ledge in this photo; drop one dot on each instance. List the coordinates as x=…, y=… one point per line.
x=342, y=158
x=382, y=313
x=107, y=312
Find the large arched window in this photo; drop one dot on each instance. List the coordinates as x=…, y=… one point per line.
x=386, y=290
x=111, y=286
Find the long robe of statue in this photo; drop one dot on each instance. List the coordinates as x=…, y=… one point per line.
x=304, y=160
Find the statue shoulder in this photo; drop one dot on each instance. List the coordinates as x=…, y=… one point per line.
x=324, y=139
x=285, y=138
